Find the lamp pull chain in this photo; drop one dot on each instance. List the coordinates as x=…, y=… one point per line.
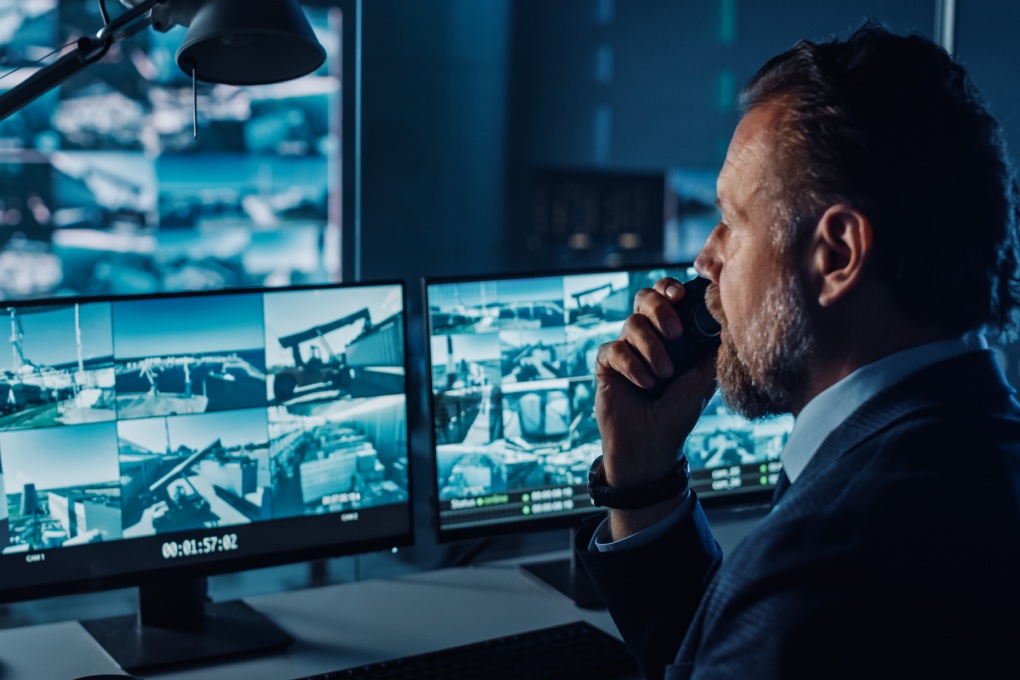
x=194, y=99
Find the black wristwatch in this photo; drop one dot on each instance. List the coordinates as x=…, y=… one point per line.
x=660, y=490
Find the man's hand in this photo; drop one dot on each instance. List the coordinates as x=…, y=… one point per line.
x=640, y=435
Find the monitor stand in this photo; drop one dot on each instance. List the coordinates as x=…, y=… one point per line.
x=177, y=625
x=568, y=576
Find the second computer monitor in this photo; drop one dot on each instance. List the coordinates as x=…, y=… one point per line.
x=511, y=365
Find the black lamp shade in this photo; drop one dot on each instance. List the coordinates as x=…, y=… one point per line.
x=249, y=42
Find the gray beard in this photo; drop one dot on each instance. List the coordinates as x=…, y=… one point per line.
x=769, y=374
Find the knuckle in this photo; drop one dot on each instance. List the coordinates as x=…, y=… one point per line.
x=632, y=325
x=640, y=296
x=607, y=350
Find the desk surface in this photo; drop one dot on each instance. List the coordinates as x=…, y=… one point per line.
x=335, y=626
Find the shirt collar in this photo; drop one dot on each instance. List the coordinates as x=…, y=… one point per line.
x=832, y=406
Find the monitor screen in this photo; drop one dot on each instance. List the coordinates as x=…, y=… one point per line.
x=511, y=366
x=147, y=437
x=123, y=180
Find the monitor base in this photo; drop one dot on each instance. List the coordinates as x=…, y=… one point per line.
x=228, y=629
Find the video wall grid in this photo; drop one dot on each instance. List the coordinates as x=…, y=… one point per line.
x=512, y=375
x=105, y=190
x=136, y=417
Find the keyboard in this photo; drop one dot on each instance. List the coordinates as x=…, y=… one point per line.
x=572, y=650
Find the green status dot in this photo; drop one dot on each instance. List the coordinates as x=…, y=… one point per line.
x=764, y=480
x=526, y=509
x=526, y=498
x=763, y=468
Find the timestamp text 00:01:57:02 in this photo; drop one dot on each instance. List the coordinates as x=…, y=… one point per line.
x=199, y=546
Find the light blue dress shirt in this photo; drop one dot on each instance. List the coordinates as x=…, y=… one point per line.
x=818, y=419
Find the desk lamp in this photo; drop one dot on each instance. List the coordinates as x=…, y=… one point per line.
x=234, y=42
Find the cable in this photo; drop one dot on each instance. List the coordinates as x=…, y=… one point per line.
x=102, y=10
x=37, y=61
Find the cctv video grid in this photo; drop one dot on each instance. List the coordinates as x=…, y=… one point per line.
x=512, y=374
x=147, y=432
x=104, y=188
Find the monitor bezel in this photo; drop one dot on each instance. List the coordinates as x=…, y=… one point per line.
x=266, y=555
x=754, y=497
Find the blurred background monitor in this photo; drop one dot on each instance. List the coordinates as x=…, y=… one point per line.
x=104, y=188
x=154, y=440
x=511, y=366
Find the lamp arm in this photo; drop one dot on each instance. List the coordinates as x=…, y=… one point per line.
x=113, y=28
x=87, y=51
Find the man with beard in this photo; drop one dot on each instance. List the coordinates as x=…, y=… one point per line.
x=862, y=170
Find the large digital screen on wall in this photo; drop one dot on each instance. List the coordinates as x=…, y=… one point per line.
x=511, y=368
x=148, y=438
x=109, y=184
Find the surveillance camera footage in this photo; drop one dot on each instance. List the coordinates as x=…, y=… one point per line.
x=150, y=415
x=104, y=188
x=512, y=365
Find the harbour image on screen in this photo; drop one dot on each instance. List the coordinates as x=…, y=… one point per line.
x=63, y=486
x=57, y=367
x=188, y=355
x=336, y=379
x=164, y=414
x=511, y=364
x=210, y=470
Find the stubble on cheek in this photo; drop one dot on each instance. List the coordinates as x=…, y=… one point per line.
x=758, y=375
x=714, y=304
x=731, y=372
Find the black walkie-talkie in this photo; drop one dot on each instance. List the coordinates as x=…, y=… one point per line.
x=700, y=335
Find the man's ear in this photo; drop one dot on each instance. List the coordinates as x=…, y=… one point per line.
x=841, y=248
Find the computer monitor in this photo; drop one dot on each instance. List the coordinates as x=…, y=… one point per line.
x=511, y=368
x=154, y=440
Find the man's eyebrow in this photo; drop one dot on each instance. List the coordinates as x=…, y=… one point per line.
x=726, y=206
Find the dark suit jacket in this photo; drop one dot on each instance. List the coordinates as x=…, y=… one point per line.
x=896, y=554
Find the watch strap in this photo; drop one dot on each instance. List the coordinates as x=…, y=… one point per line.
x=664, y=488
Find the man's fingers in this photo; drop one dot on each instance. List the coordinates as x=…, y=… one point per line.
x=657, y=304
x=670, y=288
x=620, y=357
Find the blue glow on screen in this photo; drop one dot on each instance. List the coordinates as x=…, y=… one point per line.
x=105, y=190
